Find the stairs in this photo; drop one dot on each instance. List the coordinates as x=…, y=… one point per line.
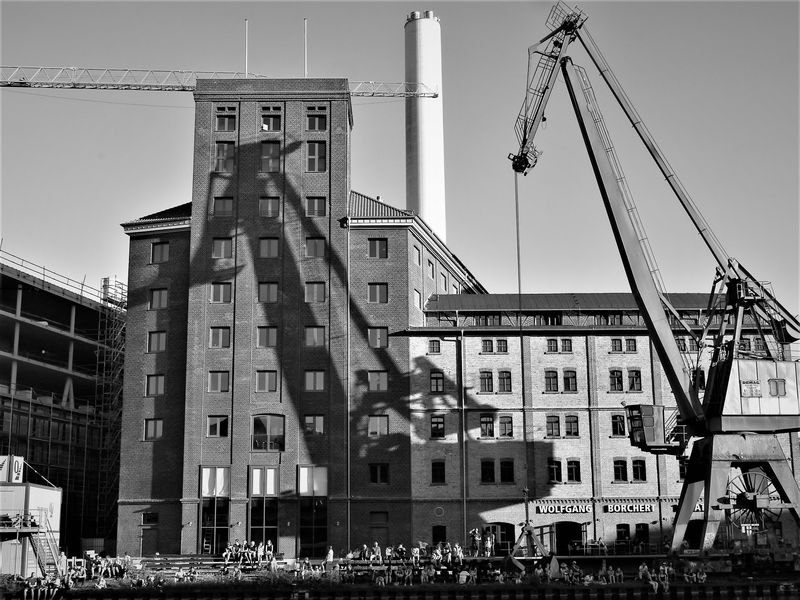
x=45, y=549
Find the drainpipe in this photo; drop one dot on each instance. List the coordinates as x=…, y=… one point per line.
x=460, y=359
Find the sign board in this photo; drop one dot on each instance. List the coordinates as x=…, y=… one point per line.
x=17, y=468
x=558, y=509
x=629, y=508
x=750, y=388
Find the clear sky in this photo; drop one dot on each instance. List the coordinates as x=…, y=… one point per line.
x=716, y=82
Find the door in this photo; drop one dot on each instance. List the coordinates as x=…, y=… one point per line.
x=504, y=538
x=568, y=532
x=149, y=541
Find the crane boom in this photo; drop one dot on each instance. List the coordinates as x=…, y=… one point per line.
x=171, y=81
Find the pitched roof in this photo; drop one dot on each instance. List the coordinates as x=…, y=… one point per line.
x=545, y=302
x=364, y=206
x=183, y=211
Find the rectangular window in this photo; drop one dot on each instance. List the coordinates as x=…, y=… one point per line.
x=487, y=426
x=506, y=426
x=623, y=532
x=618, y=425
x=223, y=207
x=150, y=518
x=502, y=346
x=269, y=206
x=219, y=337
x=507, y=471
x=219, y=381
x=315, y=122
x=314, y=381
x=159, y=252
x=635, y=380
x=217, y=426
x=156, y=341
x=777, y=387
x=693, y=346
x=487, y=471
x=616, y=345
x=316, y=206
x=378, y=381
x=317, y=157
x=266, y=337
x=552, y=345
x=223, y=154
x=268, y=247
x=566, y=345
x=314, y=424
x=268, y=432
x=620, y=469
x=638, y=469
x=551, y=381
x=315, y=247
x=378, y=425
x=504, y=382
x=378, y=293
x=226, y=118
x=443, y=282
x=573, y=470
x=438, y=472
x=270, y=118
x=315, y=336
x=431, y=270
x=487, y=320
x=268, y=292
x=221, y=248
x=615, y=380
x=418, y=299
x=486, y=381
x=155, y=385
x=553, y=428
x=571, y=426
x=417, y=256
x=153, y=429
x=378, y=337
x=570, y=381
x=681, y=344
x=266, y=381
x=487, y=346
x=158, y=298
x=220, y=292
x=379, y=473
x=434, y=346
x=554, y=470
x=630, y=345
x=315, y=291
x=437, y=426
x=270, y=157
x=378, y=247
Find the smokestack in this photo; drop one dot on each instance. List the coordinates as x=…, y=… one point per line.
x=425, y=122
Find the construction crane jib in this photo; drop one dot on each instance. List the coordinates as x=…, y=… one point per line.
x=752, y=392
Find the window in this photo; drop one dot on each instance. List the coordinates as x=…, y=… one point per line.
x=507, y=471
x=225, y=120
x=379, y=473
x=315, y=291
x=642, y=532
x=270, y=157
x=437, y=426
x=417, y=256
x=266, y=381
x=487, y=426
x=315, y=336
x=159, y=252
x=681, y=344
x=616, y=345
x=437, y=381
x=615, y=380
x=744, y=344
x=268, y=247
x=552, y=345
x=378, y=381
x=219, y=381
x=554, y=470
x=566, y=345
x=153, y=429
x=573, y=471
x=634, y=380
x=758, y=345
x=443, y=281
x=315, y=247
x=378, y=293
x=418, y=299
x=224, y=153
x=217, y=426
x=314, y=381
x=638, y=469
x=378, y=425
x=618, y=425
x=219, y=337
x=430, y=269
x=502, y=346
x=553, y=426
x=220, y=292
x=316, y=206
x=570, y=381
x=620, y=469
x=269, y=206
x=437, y=472
x=571, y=426
x=683, y=467
x=149, y=518
x=506, y=426
x=378, y=247
x=777, y=387
x=270, y=118
x=487, y=471
x=154, y=385
x=314, y=424
x=266, y=337
x=504, y=382
x=268, y=432
x=267, y=291
x=551, y=381
x=487, y=346
x=434, y=346
x=630, y=345
x=609, y=319
x=316, y=122
x=378, y=337
x=317, y=157
x=693, y=347
x=223, y=207
x=221, y=248
x=623, y=532
x=158, y=298
x=156, y=341
x=487, y=381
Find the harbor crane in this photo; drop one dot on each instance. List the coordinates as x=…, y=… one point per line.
x=751, y=394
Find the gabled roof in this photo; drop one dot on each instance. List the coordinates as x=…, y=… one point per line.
x=183, y=211
x=366, y=207
x=560, y=302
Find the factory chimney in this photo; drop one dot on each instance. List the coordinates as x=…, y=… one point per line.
x=425, y=122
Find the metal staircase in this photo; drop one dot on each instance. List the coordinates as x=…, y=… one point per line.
x=45, y=548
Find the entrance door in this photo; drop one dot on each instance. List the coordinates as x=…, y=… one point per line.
x=567, y=532
x=149, y=541
x=504, y=539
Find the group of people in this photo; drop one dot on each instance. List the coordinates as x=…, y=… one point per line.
x=249, y=553
x=71, y=573
x=442, y=554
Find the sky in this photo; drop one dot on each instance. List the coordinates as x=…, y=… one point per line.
x=715, y=82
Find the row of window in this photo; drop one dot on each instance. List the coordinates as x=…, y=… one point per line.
x=505, y=426
x=316, y=157
x=417, y=253
x=570, y=380
x=271, y=118
x=556, y=474
x=270, y=206
x=265, y=381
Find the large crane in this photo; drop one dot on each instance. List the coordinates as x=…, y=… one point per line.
x=736, y=461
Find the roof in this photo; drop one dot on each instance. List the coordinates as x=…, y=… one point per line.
x=183, y=211
x=561, y=302
x=364, y=206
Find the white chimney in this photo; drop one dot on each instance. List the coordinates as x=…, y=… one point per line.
x=425, y=122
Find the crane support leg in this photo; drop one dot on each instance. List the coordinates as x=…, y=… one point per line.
x=693, y=484
x=716, y=484
x=786, y=485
